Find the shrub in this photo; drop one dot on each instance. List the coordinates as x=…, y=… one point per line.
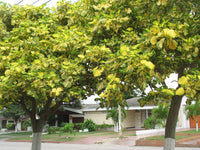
x=158, y=117
x=78, y=126
x=63, y=124
x=149, y=123
x=90, y=125
x=68, y=128
x=10, y=126
x=104, y=126
x=52, y=130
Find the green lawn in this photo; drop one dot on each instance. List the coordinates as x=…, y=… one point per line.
x=179, y=135
x=46, y=137
x=56, y=136
x=189, y=132
x=64, y=136
x=80, y=135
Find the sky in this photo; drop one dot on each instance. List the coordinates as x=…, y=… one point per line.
x=171, y=81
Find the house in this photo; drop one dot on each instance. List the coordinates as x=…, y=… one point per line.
x=4, y=121
x=136, y=114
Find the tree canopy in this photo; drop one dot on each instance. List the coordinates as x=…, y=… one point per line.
x=136, y=44
x=40, y=67
x=107, y=47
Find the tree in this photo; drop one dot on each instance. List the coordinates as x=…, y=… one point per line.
x=115, y=45
x=40, y=66
x=113, y=113
x=158, y=117
x=193, y=111
x=136, y=44
x=15, y=112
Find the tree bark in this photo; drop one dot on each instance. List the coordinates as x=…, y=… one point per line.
x=36, y=142
x=170, y=128
x=37, y=126
x=197, y=125
x=119, y=121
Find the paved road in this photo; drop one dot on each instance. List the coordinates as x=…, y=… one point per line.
x=50, y=146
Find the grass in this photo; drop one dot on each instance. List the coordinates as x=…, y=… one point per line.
x=47, y=137
x=162, y=137
x=61, y=137
x=18, y=133
x=56, y=136
x=189, y=132
x=179, y=135
x=3, y=137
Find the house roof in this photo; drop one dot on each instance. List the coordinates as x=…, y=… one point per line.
x=132, y=103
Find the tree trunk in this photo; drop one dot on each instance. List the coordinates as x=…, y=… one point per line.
x=37, y=126
x=119, y=121
x=197, y=125
x=36, y=142
x=170, y=129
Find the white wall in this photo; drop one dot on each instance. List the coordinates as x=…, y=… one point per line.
x=99, y=117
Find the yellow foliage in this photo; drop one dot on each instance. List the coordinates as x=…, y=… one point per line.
x=168, y=92
x=111, y=77
x=169, y=33
x=180, y=91
x=102, y=95
x=57, y=91
x=160, y=43
x=172, y=44
x=97, y=72
x=161, y=2
x=117, y=80
x=124, y=50
x=40, y=74
x=148, y=64
x=66, y=99
x=7, y=72
x=183, y=81
x=81, y=56
x=153, y=40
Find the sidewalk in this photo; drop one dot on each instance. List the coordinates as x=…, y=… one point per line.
x=63, y=146
x=127, y=139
